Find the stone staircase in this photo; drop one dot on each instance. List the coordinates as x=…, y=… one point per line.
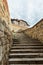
x=26, y=51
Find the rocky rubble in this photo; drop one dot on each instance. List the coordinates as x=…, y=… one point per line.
x=5, y=42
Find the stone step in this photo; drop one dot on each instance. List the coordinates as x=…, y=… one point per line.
x=22, y=40
x=27, y=47
x=16, y=43
x=25, y=55
x=25, y=64
x=15, y=40
x=26, y=50
x=27, y=44
x=25, y=60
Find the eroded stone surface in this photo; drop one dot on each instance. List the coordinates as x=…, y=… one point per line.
x=5, y=41
x=36, y=31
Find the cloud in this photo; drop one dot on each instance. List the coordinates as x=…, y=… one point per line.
x=29, y=10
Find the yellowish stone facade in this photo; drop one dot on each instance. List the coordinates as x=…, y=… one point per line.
x=4, y=11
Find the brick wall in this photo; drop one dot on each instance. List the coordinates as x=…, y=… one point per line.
x=36, y=31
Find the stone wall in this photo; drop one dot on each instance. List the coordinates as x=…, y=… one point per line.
x=4, y=11
x=19, y=22
x=36, y=31
x=5, y=42
x=5, y=32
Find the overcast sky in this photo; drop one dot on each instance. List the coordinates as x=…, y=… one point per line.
x=28, y=10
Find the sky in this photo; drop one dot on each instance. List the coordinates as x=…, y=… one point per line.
x=28, y=10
